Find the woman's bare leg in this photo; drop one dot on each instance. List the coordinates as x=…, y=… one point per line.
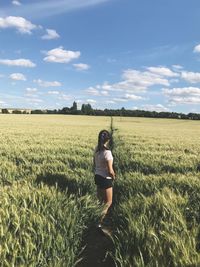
x=108, y=195
x=100, y=194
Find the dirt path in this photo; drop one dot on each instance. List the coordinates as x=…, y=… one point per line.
x=96, y=252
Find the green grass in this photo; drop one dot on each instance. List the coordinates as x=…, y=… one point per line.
x=47, y=190
x=47, y=195
x=41, y=226
x=157, y=195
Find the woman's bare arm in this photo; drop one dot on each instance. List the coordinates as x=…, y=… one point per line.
x=110, y=168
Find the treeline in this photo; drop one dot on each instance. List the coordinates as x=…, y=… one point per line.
x=86, y=109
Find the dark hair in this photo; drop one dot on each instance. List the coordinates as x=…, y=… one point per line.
x=103, y=137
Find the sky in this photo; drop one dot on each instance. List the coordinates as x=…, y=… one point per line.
x=136, y=54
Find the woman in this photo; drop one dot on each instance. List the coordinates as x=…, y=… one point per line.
x=104, y=173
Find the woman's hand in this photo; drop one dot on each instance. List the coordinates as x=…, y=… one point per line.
x=113, y=174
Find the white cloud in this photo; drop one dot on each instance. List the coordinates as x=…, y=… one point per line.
x=53, y=92
x=196, y=49
x=192, y=77
x=18, y=62
x=91, y=101
x=133, y=97
x=50, y=35
x=163, y=71
x=157, y=107
x=133, y=84
x=31, y=90
x=32, y=93
x=92, y=91
x=134, y=81
x=18, y=77
x=182, y=91
x=22, y=25
x=59, y=55
x=16, y=3
x=138, y=81
x=186, y=100
x=105, y=86
x=185, y=95
x=47, y=84
x=81, y=66
x=105, y=93
x=127, y=97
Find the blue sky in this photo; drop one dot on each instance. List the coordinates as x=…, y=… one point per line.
x=137, y=54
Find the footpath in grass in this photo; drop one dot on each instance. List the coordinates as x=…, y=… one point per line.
x=97, y=250
x=98, y=246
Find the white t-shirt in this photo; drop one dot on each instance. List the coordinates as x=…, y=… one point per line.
x=101, y=158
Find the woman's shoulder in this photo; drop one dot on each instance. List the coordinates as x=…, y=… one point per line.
x=107, y=151
x=108, y=154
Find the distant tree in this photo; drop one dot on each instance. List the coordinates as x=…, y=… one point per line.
x=37, y=111
x=16, y=111
x=51, y=111
x=87, y=109
x=183, y=116
x=5, y=111
x=74, y=108
x=65, y=110
x=193, y=116
x=83, y=109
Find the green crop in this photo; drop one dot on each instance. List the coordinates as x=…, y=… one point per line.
x=157, y=195
x=48, y=199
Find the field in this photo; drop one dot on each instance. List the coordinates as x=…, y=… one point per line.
x=158, y=192
x=48, y=200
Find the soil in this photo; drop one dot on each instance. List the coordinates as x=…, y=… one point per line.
x=98, y=245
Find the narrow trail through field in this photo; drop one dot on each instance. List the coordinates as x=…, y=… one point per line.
x=96, y=251
x=98, y=245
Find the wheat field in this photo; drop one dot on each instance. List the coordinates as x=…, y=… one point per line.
x=48, y=196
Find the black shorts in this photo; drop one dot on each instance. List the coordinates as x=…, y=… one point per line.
x=102, y=182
